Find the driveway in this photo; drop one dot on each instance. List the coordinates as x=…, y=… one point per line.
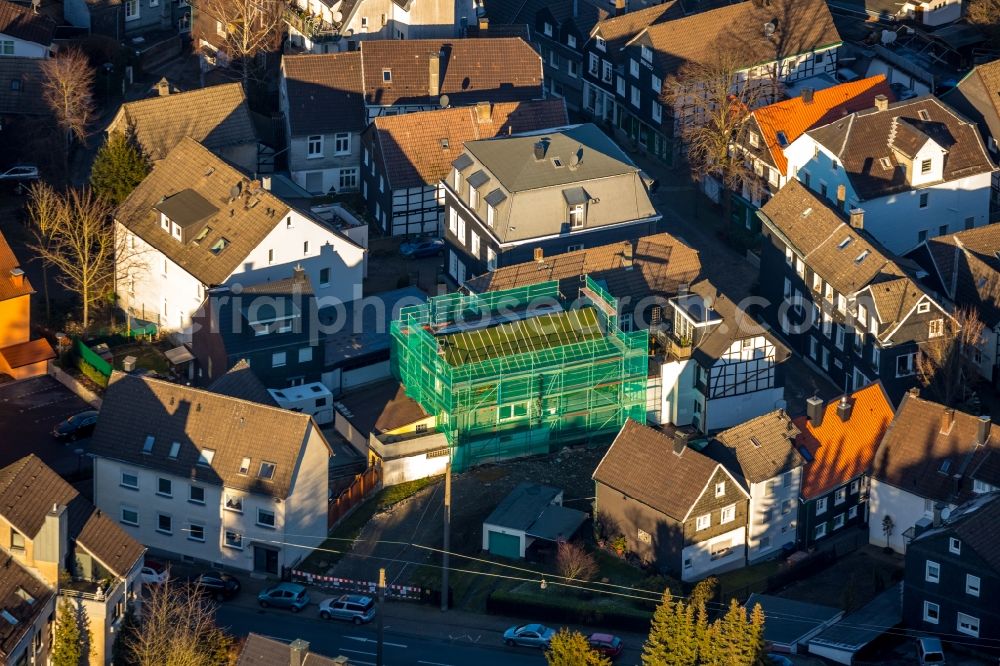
x=28, y=411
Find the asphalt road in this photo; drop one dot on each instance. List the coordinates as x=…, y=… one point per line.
x=401, y=648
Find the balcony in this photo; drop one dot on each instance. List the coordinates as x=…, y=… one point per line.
x=85, y=589
x=679, y=348
x=313, y=27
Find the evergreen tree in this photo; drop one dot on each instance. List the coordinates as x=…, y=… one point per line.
x=72, y=635
x=118, y=168
x=662, y=631
x=570, y=648
x=756, y=637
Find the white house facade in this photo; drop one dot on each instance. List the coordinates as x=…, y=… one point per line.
x=774, y=506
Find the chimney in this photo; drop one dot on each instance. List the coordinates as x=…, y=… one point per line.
x=298, y=275
x=807, y=95
x=841, y=195
x=857, y=216
x=844, y=409
x=680, y=442
x=51, y=543
x=298, y=651
x=484, y=23
x=881, y=102
x=539, y=254
x=627, y=256
x=17, y=277
x=938, y=508
x=814, y=409
x=947, y=420
x=619, y=7
x=540, y=148
x=983, y=430
x=434, y=74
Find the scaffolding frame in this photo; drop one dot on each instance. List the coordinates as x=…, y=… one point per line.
x=522, y=403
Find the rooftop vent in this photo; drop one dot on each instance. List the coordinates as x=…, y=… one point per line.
x=540, y=148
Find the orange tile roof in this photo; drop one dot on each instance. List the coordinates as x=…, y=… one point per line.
x=794, y=117
x=843, y=450
x=11, y=286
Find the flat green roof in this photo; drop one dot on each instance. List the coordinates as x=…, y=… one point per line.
x=526, y=335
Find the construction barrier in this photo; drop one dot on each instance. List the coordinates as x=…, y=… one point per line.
x=348, y=585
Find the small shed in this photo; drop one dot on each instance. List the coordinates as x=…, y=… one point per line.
x=842, y=642
x=313, y=399
x=791, y=623
x=529, y=513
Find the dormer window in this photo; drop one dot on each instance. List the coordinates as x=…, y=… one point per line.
x=165, y=223
x=577, y=216
x=600, y=43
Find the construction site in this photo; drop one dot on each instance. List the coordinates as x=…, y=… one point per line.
x=522, y=371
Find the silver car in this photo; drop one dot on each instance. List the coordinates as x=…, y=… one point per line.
x=529, y=635
x=348, y=607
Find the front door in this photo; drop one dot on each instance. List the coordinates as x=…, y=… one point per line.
x=265, y=560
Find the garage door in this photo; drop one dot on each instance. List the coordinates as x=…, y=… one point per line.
x=505, y=545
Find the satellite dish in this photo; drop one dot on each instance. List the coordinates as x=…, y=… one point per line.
x=444, y=101
x=945, y=513
x=338, y=16
x=768, y=29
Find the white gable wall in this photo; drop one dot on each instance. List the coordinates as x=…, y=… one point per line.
x=25, y=49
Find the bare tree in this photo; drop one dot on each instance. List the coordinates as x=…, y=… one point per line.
x=44, y=208
x=68, y=90
x=945, y=364
x=985, y=14
x=177, y=628
x=573, y=562
x=712, y=102
x=74, y=234
x=250, y=27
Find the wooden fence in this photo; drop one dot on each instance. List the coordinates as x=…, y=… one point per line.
x=363, y=485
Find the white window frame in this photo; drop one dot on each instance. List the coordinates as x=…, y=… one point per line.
x=728, y=514
x=820, y=506
x=132, y=10
x=838, y=521
x=305, y=354
x=235, y=545
x=279, y=359
x=820, y=531
x=190, y=532
x=235, y=500
x=703, y=522
x=932, y=571
x=720, y=489
x=124, y=521
x=967, y=624
x=274, y=519
x=577, y=216
x=972, y=585
x=954, y=546
x=160, y=530
x=633, y=68
x=474, y=243
x=840, y=496
x=342, y=143
x=130, y=486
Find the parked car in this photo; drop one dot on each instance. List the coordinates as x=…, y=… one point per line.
x=154, y=573
x=21, y=173
x=354, y=608
x=422, y=247
x=606, y=644
x=929, y=651
x=220, y=586
x=529, y=635
x=76, y=426
x=284, y=595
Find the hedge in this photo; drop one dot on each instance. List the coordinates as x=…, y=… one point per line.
x=559, y=610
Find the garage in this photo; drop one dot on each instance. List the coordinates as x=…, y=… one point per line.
x=504, y=545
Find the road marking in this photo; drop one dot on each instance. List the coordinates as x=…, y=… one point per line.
x=370, y=654
x=372, y=640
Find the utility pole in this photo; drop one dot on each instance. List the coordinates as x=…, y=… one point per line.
x=381, y=616
x=447, y=537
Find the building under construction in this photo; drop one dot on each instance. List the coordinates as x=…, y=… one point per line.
x=522, y=371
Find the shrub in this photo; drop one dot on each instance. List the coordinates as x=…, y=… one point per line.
x=566, y=609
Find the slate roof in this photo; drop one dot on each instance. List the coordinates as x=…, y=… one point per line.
x=505, y=69
x=583, y=14
x=417, y=149
x=22, y=23
x=325, y=93
x=862, y=139
x=15, y=576
x=136, y=407
x=216, y=117
x=261, y=651
x=787, y=621
x=792, y=117
x=10, y=287
x=966, y=266
x=801, y=27
x=864, y=625
x=979, y=528
x=381, y=407
x=522, y=506
x=359, y=330
x=759, y=449
x=977, y=96
x=29, y=488
x=914, y=451
x=641, y=464
x=192, y=166
x=660, y=264
x=841, y=451
x=241, y=382
x=27, y=99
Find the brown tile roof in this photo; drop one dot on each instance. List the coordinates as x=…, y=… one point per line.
x=641, y=464
x=11, y=286
x=914, y=451
x=260, y=651
x=474, y=70
x=241, y=382
x=325, y=93
x=617, y=30
x=968, y=266
x=29, y=488
x=862, y=139
x=793, y=117
x=14, y=576
x=758, y=449
x=381, y=407
x=977, y=96
x=802, y=26
x=191, y=166
x=28, y=353
x=736, y=324
x=418, y=148
x=216, y=117
x=137, y=407
x=843, y=450
x=27, y=98
x=661, y=263
x=21, y=22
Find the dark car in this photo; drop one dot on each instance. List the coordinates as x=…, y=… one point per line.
x=419, y=248
x=21, y=173
x=77, y=426
x=606, y=644
x=220, y=586
x=284, y=595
